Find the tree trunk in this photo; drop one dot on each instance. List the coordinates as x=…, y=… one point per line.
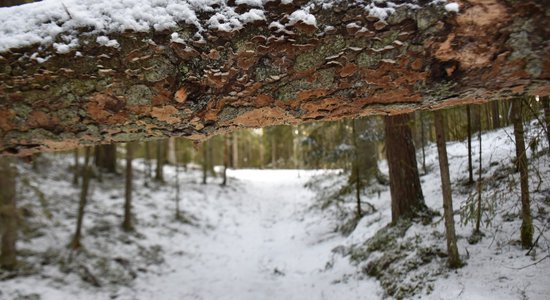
x=546, y=107
x=356, y=174
x=225, y=158
x=423, y=142
x=452, y=249
x=161, y=154
x=177, y=200
x=204, y=162
x=86, y=174
x=479, y=186
x=105, y=158
x=8, y=214
x=76, y=171
x=406, y=191
x=262, y=150
x=495, y=114
x=235, y=151
x=469, y=129
x=171, y=151
x=127, y=223
x=148, y=167
x=273, y=151
x=521, y=157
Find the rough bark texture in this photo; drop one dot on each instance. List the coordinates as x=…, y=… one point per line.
x=521, y=157
x=351, y=64
x=452, y=249
x=105, y=157
x=8, y=214
x=406, y=191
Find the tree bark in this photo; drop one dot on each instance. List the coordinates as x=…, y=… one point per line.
x=273, y=150
x=452, y=249
x=161, y=155
x=204, y=161
x=225, y=158
x=423, y=142
x=76, y=171
x=546, y=107
x=177, y=200
x=495, y=114
x=127, y=223
x=356, y=173
x=8, y=214
x=86, y=174
x=235, y=150
x=406, y=191
x=422, y=58
x=171, y=151
x=105, y=158
x=469, y=129
x=521, y=157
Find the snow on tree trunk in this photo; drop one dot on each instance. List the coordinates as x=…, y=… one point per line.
x=206, y=72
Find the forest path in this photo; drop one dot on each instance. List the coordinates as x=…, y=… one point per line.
x=265, y=244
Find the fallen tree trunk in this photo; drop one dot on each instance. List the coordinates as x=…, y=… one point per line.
x=349, y=62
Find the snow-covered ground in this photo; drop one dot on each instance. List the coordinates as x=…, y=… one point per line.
x=264, y=236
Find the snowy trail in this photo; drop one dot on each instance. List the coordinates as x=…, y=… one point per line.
x=264, y=246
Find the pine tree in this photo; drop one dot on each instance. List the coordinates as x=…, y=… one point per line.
x=521, y=158
x=86, y=174
x=76, y=171
x=8, y=214
x=105, y=158
x=469, y=129
x=406, y=191
x=127, y=223
x=546, y=106
x=225, y=158
x=454, y=258
x=161, y=155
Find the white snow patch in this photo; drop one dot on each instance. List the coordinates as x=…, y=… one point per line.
x=105, y=41
x=452, y=7
x=303, y=16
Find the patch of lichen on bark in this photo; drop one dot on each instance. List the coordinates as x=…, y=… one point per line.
x=324, y=79
x=316, y=57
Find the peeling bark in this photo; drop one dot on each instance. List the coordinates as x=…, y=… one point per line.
x=151, y=87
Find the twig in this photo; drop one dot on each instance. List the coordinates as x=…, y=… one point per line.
x=529, y=265
x=535, y=243
x=67, y=10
